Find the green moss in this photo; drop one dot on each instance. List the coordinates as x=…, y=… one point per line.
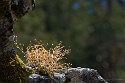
x=44, y=72
x=12, y=69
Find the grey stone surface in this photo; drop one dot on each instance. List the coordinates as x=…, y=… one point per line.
x=72, y=75
x=20, y=7
x=36, y=78
x=59, y=78
x=84, y=75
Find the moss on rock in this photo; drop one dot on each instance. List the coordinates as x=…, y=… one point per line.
x=12, y=69
x=44, y=72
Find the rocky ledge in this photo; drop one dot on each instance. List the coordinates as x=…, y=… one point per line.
x=71, y=75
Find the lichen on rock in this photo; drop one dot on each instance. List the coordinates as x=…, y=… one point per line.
x=12, y=69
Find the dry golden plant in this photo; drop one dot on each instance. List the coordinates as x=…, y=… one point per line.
x=38, y=57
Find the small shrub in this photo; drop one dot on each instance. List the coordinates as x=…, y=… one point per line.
x=41, y=59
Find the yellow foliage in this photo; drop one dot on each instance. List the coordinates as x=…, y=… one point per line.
x=41, y=59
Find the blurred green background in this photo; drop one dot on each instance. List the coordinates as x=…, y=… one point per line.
x=94, y=30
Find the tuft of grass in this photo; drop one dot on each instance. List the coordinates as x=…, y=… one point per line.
x=41, y=59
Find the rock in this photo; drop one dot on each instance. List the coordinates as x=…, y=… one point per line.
x=36, y=78
x=12, y=68
x=84, y=75
x=59, y=78
x=72, y=75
